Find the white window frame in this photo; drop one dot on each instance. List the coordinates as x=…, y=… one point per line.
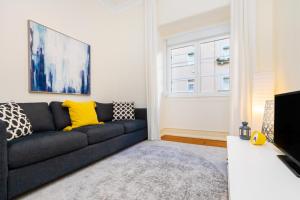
x=197, y=92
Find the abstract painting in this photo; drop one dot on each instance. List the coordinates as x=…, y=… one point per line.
x=58, y=63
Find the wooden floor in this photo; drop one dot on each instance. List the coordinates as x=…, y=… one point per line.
x=215, y=143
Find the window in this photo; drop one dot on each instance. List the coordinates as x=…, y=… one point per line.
x=199, y=68
x=183, y=69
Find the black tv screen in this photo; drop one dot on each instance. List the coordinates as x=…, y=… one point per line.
x=287, y=125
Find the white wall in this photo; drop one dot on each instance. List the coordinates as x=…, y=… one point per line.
x=264, y=36
x=287, y=45
x=263, y=78
x=219, y=15
x=174, y=10
x=203, y=113
x=116, y=39
x=278, y=50
x=278, y=42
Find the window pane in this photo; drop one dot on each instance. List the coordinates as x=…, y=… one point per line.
x=191, y=85
x=223, y=83
x=223, y=64
x=222, y=70
x=207, y=67
x=207, y=50
x=184, y=59
x=208, y=84
x=183, y=50
x=209, y=72
x=222, y=48
x=183, y=56
x=183, y=72
x=183, y=86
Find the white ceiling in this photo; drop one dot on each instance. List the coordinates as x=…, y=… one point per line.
x=120, y=5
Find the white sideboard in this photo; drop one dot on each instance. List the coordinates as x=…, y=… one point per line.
x=256, y=173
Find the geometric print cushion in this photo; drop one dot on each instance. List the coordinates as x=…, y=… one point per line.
x=123, y=111
x=17, y=123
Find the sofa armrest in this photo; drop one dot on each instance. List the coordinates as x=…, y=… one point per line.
x=3, y=161
x=141, y=113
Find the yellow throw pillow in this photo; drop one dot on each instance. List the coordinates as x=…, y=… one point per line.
x=81, y=114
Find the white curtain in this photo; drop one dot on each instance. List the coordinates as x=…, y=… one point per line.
x=152, y=69
x=243, y=53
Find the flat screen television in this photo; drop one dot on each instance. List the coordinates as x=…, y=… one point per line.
x=287, y=129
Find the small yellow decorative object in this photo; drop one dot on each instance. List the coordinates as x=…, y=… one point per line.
x=257, y=138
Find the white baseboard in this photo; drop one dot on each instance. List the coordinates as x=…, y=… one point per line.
x=211, y=135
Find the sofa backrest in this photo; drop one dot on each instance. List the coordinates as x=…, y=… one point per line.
x=62, y=118
x=104, y=111
x=39, y=116
x=60, y=114
x=44, y=117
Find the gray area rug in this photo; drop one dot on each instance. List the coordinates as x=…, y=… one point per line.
x=152, y=170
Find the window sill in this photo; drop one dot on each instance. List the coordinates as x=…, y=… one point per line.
x=225, y=94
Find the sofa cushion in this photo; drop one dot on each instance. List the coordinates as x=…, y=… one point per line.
x=60, y=114
x=39, y=115
x=42, y=146
x=131, y=125
x=100, y=133
x=16, y=121
x=123, y=111
x=81, y=114
x=104, y=111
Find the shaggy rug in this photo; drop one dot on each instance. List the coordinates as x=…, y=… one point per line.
x=151, y=170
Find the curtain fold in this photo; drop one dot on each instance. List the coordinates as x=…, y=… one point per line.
x=152, y=69
x=243, y=61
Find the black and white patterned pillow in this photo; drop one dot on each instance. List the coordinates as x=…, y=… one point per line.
x=123, y=111
x=17, y=123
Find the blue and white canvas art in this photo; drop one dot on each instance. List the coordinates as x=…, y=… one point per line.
x=58, y=63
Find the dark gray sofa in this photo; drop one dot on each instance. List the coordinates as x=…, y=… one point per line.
x=49, y=153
